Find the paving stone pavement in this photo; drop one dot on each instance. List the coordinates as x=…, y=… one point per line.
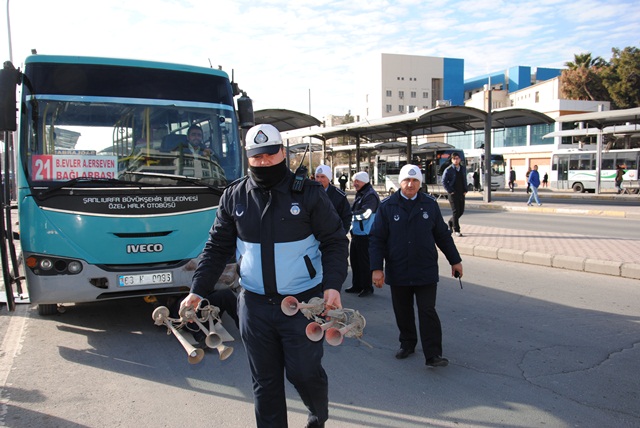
x=608, y=256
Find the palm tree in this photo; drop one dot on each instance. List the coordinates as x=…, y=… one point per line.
x=585, y=61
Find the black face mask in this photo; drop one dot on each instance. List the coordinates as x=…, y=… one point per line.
x=268, y=176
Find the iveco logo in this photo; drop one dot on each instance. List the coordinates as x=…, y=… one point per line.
x=144, y=248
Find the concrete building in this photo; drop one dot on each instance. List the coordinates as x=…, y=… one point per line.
x=396, y=84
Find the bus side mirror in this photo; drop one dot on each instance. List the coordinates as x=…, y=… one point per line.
x=245, y=112
x=9, y=78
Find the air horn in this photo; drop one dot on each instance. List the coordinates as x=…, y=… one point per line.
x=290, y=306
x=213, y=340
x=352, y=326
x=315, y=330
x=339, y=323
x=161, y=317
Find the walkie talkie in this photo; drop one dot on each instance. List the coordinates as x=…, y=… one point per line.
x=300, y=175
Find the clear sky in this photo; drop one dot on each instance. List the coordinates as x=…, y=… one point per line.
x=309, y=53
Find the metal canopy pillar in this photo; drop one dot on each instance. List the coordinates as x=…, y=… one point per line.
x=487, y=149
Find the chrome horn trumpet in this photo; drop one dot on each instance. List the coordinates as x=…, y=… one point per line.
x=161, y=317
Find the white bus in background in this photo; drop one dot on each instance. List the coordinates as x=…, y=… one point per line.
x=474, y=160
x=576, y=169
x=431, y=157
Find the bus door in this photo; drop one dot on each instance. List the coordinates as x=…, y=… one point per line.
x=562, y=166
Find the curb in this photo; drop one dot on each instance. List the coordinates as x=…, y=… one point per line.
x=603, y=267
x=548, y=210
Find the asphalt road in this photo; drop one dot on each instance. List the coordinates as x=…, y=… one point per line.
x=528, y=345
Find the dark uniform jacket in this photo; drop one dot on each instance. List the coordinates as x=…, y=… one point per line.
x=285, y=242
x=364, y=210
x=339, y=200
x=454, y=180
x=407, y=241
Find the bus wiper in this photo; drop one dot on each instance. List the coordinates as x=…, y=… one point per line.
x=183, y=178
x=88, y=180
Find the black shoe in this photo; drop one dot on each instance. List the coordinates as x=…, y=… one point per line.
x=450, y=226
x=314, y=424
x=352, y=290
x=404, y=353
x=366, y=292
x=437, y=362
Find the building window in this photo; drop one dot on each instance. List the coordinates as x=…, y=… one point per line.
x=537, y=96
x=412, y=109
x=401, y=94
x=389, y=108
x=401, y=108
x=388, y=93
x=413, y=94
x=425, y=94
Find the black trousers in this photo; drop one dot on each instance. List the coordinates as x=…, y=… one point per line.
x=276, y=345
x=402, y=297
x=457, y=209
x=360, y=266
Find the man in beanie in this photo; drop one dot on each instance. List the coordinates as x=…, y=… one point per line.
x=337, y=197
x=286, y=243
x=403, y=240
x=454, y=181
x=364, y=210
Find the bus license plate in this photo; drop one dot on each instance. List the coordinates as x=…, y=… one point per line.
x=145, y=279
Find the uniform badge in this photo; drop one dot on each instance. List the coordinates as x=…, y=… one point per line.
x=239, y=210
x=396, y=217
x=295, y=209
x=425, y=215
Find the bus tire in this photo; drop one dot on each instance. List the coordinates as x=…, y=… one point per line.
x=578, y=187
x=47, y=309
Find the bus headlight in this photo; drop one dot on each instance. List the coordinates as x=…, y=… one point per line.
x=74, y=267
x=46, y=264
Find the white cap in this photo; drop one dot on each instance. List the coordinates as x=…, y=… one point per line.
x=324, y=169
x=410, y=171
x=263, y=138
x=361, y=176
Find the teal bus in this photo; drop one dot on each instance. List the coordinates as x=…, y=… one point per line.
x=113, y=202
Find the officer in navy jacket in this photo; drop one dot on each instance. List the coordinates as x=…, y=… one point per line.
x=286, y=243
x=364, y=210
x=337, y=197
x=407, y=229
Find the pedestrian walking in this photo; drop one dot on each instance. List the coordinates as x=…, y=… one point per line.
x=512, y=179
x=527, y=178
x=619, y=178
x=534, y=183
x=408, y=228
x=454, y=181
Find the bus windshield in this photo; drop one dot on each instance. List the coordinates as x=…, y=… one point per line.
x=101, y=121
x=71, y=139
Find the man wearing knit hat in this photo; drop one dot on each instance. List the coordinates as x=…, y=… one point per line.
x=407, y=228
x=337, y=197
x=364, y=210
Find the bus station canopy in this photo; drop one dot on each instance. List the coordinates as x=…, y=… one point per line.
x=285, y=120
x=625, y=121
x=425, y=122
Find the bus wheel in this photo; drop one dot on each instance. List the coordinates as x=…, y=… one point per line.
x=47, y=309
x=578, y=187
